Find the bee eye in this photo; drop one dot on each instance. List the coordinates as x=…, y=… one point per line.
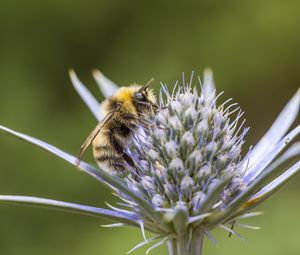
x=140, y=96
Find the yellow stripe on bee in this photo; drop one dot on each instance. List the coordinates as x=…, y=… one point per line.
x=125, y=95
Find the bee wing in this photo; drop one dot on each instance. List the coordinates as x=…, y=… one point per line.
x=93, y=134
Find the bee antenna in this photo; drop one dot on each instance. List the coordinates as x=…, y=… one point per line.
x=147, y=85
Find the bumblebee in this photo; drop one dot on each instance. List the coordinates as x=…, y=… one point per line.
x=126, y=111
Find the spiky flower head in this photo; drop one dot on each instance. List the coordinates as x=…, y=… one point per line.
x=191, y=177
x=192, y=149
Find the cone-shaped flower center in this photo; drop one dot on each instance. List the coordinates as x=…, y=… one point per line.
x=191, y=151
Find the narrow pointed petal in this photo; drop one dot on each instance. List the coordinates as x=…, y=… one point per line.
x=112, y=181
x=45, y=146
x=142, y=227
x=106, y=86
x=272, y=170
x=266, y=174
x=198, y=218
x=208, y=83
x=248, y=215
x=157, y=244
x=247, y=200
x=115, y=225
x=71, y=207
x=141, y=244
x=253, y=184
x=276, y=132
x=231, y=231
x=96, y=173
x=291, y=152
x=247, y=226
x=260, y=166
x=272, y=187
x=119, y=209
x=86, y=95
x=209, y=236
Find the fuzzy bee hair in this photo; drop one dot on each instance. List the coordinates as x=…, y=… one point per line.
x=125, y=112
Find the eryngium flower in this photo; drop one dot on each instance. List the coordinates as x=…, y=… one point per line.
x=191, y=176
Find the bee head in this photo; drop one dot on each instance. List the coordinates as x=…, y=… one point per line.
x=144, y=98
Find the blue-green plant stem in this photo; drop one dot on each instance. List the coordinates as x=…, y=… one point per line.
x=197, y=242
x=187, y=244
x=172, y=247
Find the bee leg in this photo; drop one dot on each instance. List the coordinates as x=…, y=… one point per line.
x=145, y=122
x=232, y=226
x=129, y=160
x=126, y=159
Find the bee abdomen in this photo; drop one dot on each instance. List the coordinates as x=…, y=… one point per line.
x=103, y=158
x=110, y=148
x=111, y=162
x=99, y=148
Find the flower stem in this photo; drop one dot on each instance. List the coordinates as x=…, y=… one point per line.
x=187, y=245
x=172, y=247
x=197, y=242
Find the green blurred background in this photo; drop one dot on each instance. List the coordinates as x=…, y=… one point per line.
x=252, y=46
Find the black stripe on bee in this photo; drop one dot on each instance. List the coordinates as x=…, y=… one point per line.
x=116, y=142
x=128, y=159
x=102, y=158
x=122, y=130
x=118, y=166
x=120, y=150
x=101, y=147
